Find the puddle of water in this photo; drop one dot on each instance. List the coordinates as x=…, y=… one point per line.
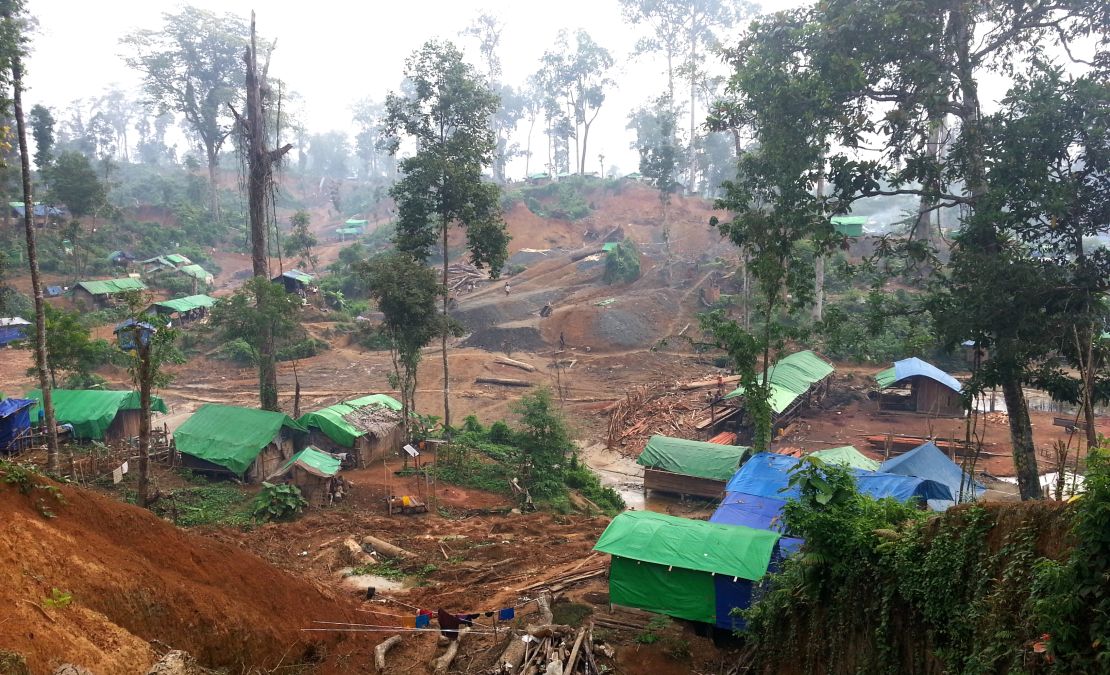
x=360, y=582
x=627, y=477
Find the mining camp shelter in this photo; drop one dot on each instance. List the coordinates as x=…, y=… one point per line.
x=768, y=475
x=928, y=461
x=366, y=429
x=931, y=390
x=295, y=281
x=189, y=308
x=689, y=467
x=101, y=293
x=247, y=443
x=108, y=416
x=795, y=381
x=848, y=456
x=760, y=513
x=687, y=569
x=849, y=226
x=314, y=472
x=15, y=422
x=13, y=328
x=198, y=274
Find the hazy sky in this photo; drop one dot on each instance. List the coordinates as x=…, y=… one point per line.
x=335, y=52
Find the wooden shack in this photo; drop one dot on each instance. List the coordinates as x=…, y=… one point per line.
x=103, y=293
x=107, y=416
x=314, y=472
x=363, y=430
x=917, y=386
x=247, y=443
x=686, y=467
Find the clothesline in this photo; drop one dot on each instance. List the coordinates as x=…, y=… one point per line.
x=394, y=630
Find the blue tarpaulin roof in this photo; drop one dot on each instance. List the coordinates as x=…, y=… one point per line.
x=767, y=475
x=913, y=367
x=928, y=461
x=14, y=419
x=760, y=513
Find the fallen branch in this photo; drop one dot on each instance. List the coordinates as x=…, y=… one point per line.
x=503, y=381
x=573, y=658
x=385, y=548
x=381, y=650
x=515, y=364
x=443, y=663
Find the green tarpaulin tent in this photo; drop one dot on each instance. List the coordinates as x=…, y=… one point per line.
x=791, y=377
x=90, y=411
x=188, y=303
x=851, y=226
x=848, y=456
x=609, y=246
x=197, y=272
x=178, y=259
x=316, y=462
x=666, y=564
x=349, y=230
x=692, y=458
x=355, y=222
x=111, y=286
x=332, y=422
x=228, y=436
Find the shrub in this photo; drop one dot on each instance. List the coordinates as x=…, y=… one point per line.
x=499, y=432
x=278, y=502
x=237, y=351
x=622, y=264
x=304, y=349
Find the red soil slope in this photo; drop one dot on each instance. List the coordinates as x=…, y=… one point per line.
x=135, y=579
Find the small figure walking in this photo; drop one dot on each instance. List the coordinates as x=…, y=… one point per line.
x=507, y=288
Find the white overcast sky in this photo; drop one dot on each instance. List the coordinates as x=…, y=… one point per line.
x=335, y=52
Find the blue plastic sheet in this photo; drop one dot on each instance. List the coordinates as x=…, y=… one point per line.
x=928, y=461
x=14, y=419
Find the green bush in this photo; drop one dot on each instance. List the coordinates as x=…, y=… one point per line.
x=499, y=432
x=278, y=502
x=622, y=264
x=237, y=351
x=303, y=349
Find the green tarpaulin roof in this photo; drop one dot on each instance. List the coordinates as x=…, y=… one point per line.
x=187, y=303
x=847, y=455
x=332, y=420
x=195, y=271
x=349, y=230
x=229, y=436
x=316, y=462
x=851, y=226
x=609, y=246
x=177, y=259
x=733, y=550
x=692, y=458
x=90, y=411
x=791, y=377
x=112, y=286
x=356, y=222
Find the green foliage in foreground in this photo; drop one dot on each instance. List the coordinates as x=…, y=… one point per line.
x=881, y=587
x=622, y=264
x=207, y=504
x=278, y=502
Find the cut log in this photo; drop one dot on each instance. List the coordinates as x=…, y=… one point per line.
x=548, y=630
x=573, y=658
x=503, y=381
x=701, y=384
x=354, y=555
x=381, y=650
x=513, y=656
x=515, y=364
x=442, y=664
x=385, y=548
x=544, y=605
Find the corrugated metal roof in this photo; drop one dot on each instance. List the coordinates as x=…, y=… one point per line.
x=915, y=367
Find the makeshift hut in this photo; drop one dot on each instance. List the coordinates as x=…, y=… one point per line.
x=314, y=472
x=689, y=467
x=198, y=274
x=96, y=415
x=687, y=569
x=849, y=226
x=13, y=328
x=365, y=429
x=768, y=475
x=760, y=513
x=848, y=456
x=928, y=461
x=184, y=310
x=15, y=423
x=247, y=443
x=102, y=293
x=795, y=381
x=295, y=281
x=923, y=388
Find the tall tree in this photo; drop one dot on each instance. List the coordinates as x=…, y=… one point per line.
x=446, y=114
x=253, y=125
x=300, y=242
x=487, y=29
x=12, y=44
x=376, y=163
x=42, y=129
x=577, y=76
x=193, y=66
x=74, y=182
x=654, y=127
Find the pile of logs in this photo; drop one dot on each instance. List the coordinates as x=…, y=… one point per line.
x=462, y=275
x=550, y=649
x=644, y=412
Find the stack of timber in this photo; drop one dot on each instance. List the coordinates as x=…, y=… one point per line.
x=645, y=412
x=550, y=649
x=462, y=274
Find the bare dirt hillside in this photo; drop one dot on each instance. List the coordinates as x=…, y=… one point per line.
x=140, y=586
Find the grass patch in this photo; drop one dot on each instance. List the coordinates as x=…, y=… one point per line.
x=570, y=613
x=206, y=505
x=387, y=568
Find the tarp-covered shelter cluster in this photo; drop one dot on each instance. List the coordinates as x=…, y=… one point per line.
x=101, y=293
x=314, y=472
x=96, y=415
x=689, y=467
x=353, y=227
x=848, y=456
x=931, y=390
x=13, y=328
x=15, y=422
x=794, y=380
x=367, y=429
x=38, y=210
x=687, y=569
x=189, y=308
x=250, y=444
x=929, y=462
x=295, y=281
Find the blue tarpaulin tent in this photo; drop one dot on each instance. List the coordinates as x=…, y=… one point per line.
x=15, y=419
x=767, y=475
x=761, y=513
x=928, y=461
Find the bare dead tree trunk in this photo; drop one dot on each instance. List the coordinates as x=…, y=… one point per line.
x=49, y=423
x=260, y=161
